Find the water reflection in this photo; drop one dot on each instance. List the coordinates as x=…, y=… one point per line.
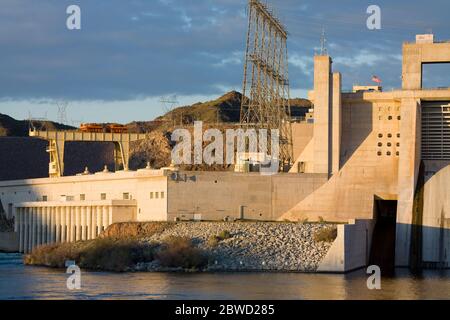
x=20, y=282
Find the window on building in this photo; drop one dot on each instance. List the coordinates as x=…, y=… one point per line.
x=156, y=195
x=103, y=196
x=82, y=197
x=70, y=198
x=44, y=198
x=162, y=195
x=151, y=195
x=126, y=196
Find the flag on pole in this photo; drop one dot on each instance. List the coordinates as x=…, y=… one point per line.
x=376, y=79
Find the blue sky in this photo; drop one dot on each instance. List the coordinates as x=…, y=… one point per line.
x=129, y=54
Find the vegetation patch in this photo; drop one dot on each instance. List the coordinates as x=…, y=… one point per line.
x=326, y=235
x=213, y=241
x=180, y=252
x=108, y=254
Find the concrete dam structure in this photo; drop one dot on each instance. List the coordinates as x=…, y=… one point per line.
x=377, y=162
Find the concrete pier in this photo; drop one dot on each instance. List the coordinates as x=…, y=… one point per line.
x=40, y=223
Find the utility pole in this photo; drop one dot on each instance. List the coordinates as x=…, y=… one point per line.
x=169, y=104
x=265, y=102
x=62, y=112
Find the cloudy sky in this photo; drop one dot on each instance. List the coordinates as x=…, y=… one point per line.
x=129, y=54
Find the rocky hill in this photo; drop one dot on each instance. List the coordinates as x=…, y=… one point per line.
x=225, y=109
x=10, y=127
x=24, y=157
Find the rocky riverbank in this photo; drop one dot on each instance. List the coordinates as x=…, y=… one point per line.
x=205, y=246
x=251, y=246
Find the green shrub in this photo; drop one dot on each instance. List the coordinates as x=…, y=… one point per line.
x=179, y=252
x=326, y=235
x=224, y=235
x=321, y=219
x=213, y=241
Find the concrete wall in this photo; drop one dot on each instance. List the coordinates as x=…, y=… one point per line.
x=416, y=54
x=302, y=133
x=212, y=196
x=351, y=249
x=137, y=185
x=436, y=213
x=367, y=169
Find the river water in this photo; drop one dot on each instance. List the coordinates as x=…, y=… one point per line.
x=21, y=282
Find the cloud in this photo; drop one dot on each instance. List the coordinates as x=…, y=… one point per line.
x=133, y=50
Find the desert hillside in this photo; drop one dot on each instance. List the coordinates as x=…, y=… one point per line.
x=24, y=157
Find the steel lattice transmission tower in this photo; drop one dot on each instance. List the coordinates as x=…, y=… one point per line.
x=265, y=103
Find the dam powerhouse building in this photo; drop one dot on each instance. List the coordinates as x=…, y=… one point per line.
x=378, y=162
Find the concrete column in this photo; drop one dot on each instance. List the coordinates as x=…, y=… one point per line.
x=408, y=170
x=63, y=224
x=83, y=223
x=322, y=114
x=412, y=67
x=336, y=123
x=105, y=222
x=93, y=223
x=26, y=224
x=76, y=227
x=88, y=223
x=33, y=229
x=43, y=225
x=72, y=224
x=40, y=225
x=58, y=224
x=99, y=213
x=110, y=214
x=46, y=238
x=19, y=222
x=51, y=231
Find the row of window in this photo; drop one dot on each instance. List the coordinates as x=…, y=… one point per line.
x=389, y=135
x=125, y=196
x=389, y=144
x=390, y=118
x=388, y=153
x=157, y=195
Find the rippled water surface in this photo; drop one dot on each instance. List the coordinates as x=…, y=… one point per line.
x=20, y=282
